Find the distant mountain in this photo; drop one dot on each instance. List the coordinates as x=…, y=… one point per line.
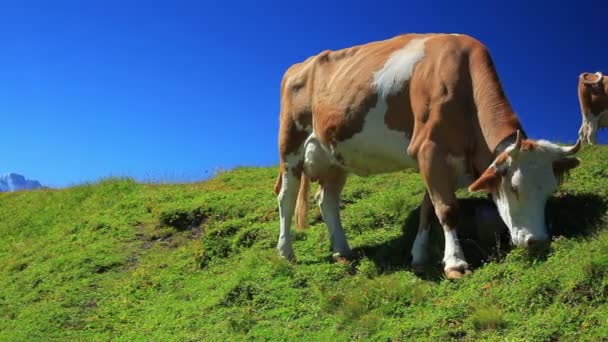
x=10, y=182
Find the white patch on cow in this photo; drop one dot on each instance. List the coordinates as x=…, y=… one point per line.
x=376, y=149
x=294, y=159
x=317, y=159
x=458, y=166
x=453, y=256
x=399, y=67
x=420, y=247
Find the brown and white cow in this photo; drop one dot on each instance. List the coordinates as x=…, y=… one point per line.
x=431, y=102
x=593, y=98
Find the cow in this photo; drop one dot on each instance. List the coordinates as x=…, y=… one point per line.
x=429, y=102
x=593, y=99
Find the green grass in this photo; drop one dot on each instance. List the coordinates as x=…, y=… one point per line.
x=123, y=261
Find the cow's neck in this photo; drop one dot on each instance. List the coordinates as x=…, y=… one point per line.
x=498, y=126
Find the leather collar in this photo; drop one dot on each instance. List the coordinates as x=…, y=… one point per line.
x=506, y=142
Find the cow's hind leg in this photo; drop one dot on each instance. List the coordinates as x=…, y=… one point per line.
x=287, y=195
x=420, y=247
x=591, y=125
x=332, y=184
x=582, y=132
x=291, y=151
x=436, y=173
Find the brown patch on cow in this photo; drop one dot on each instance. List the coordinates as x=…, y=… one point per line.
x=528, y=145
x=290, y=138
x=501, y=159
x=398, y=116
x=278, y=184
x=496, y=117
x=333, y=125
x=488, y=181
x=324, y=57
x=296, y=170
x=448, y=216
x=455, y=88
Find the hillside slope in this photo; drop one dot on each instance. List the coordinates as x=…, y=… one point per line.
x=124, y=261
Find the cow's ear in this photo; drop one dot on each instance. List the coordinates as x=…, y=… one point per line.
x=487, y=182
x=562, y=167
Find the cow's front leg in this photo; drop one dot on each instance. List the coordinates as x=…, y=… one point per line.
x=329, y=203
x=454, y=262
x=440, y=179
x=420, y=248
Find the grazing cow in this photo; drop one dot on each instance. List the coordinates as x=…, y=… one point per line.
x=593, y=98
x=431, y=102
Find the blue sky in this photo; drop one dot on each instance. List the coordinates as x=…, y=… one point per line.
x=170, y=90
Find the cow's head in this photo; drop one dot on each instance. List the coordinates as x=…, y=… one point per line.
x=593, y=82
x=521, y=179
x=590, y=79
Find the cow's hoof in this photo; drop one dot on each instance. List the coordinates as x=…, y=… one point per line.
x=457, y=273
x=287, y=255
x=419, y=269
x=341, y=258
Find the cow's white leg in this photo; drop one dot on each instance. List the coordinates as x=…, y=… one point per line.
x=329, y=203
x=592, y=127
x=287, y=203
x=454, y=261
x=453, y=257
x=420, y=247
x=582, y=132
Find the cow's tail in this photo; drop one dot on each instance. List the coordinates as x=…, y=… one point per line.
x=301, y=211
x=302, y=202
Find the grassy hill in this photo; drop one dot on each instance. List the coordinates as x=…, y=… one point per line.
x=117, y=260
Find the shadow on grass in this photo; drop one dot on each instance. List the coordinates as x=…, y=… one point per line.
x=482, y=233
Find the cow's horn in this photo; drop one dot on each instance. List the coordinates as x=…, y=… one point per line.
x=517, y=146
x=570, y=150
x=598, y=74
x=518, y=140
